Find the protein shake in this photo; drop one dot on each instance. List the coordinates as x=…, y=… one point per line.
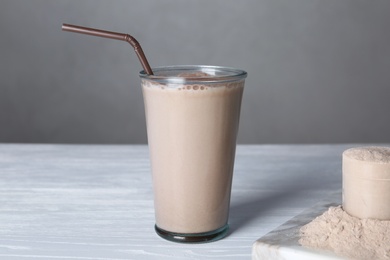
x=192, y=115
x=192, y=118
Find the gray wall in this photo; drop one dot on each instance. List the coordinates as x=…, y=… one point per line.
x=318, y=70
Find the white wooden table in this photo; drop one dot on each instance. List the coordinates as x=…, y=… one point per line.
x=95, y=201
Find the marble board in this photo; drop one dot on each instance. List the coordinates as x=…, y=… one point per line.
x=282, y=243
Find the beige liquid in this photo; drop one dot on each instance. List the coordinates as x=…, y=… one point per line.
x=192, y=139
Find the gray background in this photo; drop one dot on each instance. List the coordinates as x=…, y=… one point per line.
x=318, y=70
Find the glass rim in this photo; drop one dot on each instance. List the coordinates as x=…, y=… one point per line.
x=218, y=74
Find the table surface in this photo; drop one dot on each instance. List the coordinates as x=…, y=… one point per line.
x=96, y=202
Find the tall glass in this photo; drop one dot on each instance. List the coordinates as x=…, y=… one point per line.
x=192, y=116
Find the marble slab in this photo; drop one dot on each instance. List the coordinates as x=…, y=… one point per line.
x=282, y=243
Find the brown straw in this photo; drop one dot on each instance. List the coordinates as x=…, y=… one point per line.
x=113, y=35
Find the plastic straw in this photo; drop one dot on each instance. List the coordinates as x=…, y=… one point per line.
x=113, y=35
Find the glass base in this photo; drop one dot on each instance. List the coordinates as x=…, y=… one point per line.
x=193, y=237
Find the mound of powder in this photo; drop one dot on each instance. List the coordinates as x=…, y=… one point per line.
x=369, y=154
x=348, y=236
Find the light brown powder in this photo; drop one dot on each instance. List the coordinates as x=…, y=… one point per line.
x=348, y=236
x=376, y=154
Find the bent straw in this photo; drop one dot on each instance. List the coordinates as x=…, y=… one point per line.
x=113, y=35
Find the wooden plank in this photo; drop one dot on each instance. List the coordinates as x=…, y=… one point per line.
x=95, y=201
